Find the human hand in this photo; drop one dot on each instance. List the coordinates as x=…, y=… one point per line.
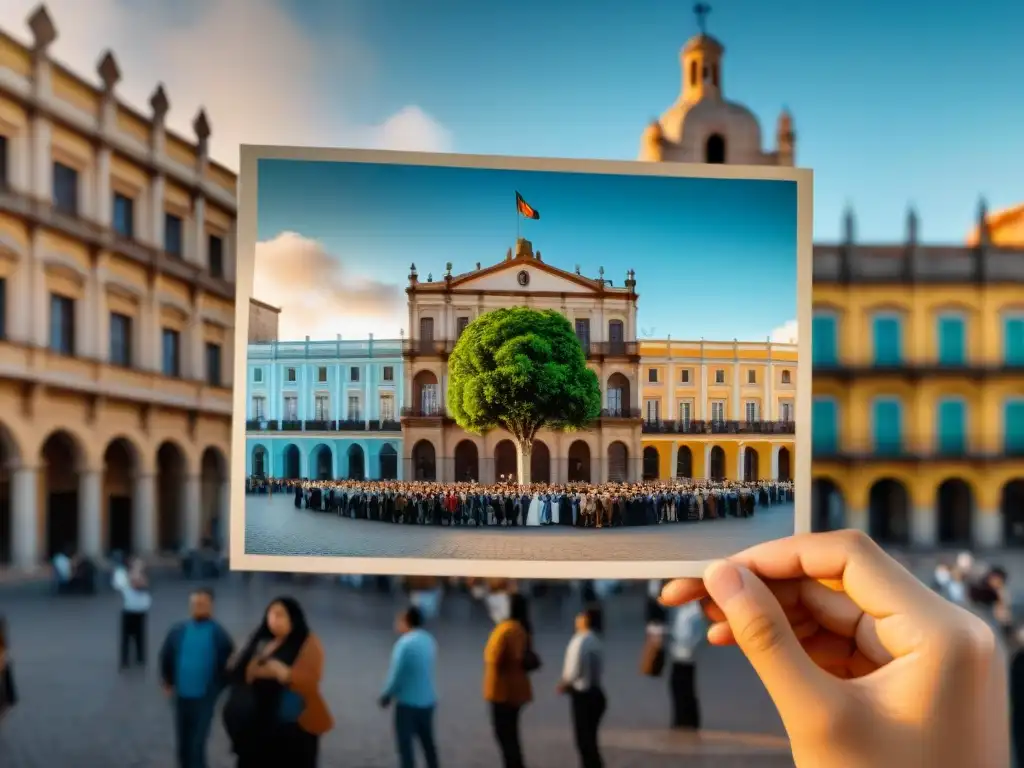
x=275, y=670
x=866, y=665
x=384, y=702
x=168, y=690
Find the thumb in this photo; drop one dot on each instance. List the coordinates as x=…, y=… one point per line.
x=766, y=638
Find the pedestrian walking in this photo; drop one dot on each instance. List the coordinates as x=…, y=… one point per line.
x=411, y=686
x=193, y=667
x=686, y=633
x=131, y=582
x=509, y=659
x=582, y=673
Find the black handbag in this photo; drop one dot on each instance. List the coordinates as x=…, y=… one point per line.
x=240, y=714
x=8, y=693
x=531, y=661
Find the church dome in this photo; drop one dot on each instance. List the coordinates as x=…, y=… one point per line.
x=691, y=125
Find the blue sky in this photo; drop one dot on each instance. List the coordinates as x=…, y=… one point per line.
x=700, y=247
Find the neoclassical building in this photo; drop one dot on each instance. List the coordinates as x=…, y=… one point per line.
x=116, y=315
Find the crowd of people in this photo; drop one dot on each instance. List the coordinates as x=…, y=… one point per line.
x=507, y=503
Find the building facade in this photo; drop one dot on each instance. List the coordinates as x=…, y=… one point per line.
x=116, y=316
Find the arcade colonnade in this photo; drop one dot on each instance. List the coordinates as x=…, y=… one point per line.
x=744, y=461
x=323, y=458
x=67, y=490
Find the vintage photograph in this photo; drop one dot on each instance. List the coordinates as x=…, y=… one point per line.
x=537, y=367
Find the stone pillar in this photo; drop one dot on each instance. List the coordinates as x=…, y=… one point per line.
x=988, y=528
x=192, y=513
x=144, y=515
x=39, y=321
x=923, y=526
x=741, y=455
x=775, y=463
x=707, y=461
x=737, y=402
x=156, y=212
x=90, y=512
x=224, y=512
x=25, y=517
x=197, y=252
x=857, y=519
x=702, y=404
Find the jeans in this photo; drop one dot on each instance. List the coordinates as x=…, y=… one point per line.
x=588, y=708
x=193, y=718
x=505, y=720
x=414, y=724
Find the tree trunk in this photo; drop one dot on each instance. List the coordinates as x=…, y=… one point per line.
x=524, y=452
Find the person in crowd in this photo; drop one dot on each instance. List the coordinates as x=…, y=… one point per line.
x=275, y=714
x=131, y=582
x=411, y=686
x=818, y=614
x=508, y=661
x=581, y=680
x=8, y=695
x=685, y=634
x=75, y=575
x=193, y=668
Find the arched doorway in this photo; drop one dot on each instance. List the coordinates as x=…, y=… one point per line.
x=292, y=462
x=684, y=463
x=170, y=481
x=955, y=504
x=424, y=461
x=119, y=468
x=751, y=465
x=827, y=506
x=506, y=462
x=426, y=394
x=213, y=501
x=889, y=512
x=322, y=465
x=618, y=395
x=540, y=463
x=717, y=463
x=785, y=465
x=467, y=462
x=9, y=459
x=714, y=149
x=618, y=462
x=356, y=463
x=1012, y=507
x=579, y=462
x=62, y=461
x=260, y=465
x=651, y=468
x=388, y=462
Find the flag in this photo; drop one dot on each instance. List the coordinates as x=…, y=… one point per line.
x=525, y=209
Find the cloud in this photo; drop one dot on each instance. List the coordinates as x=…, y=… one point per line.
x=319, y=297
x=260, y=76
x=785, y=333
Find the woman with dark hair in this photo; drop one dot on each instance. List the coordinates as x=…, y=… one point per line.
x=275, y=714
x=581, y=679
x=509, y=658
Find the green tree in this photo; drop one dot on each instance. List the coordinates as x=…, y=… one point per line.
x=521, y=369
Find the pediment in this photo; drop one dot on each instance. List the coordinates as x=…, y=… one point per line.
x=525, y=276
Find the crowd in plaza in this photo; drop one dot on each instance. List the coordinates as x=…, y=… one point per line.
x=507, y=503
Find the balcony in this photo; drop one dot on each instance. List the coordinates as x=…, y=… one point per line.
x=681, y=427
x=318, y=425
x=620, y=413
x=291, y=425
x=917, y=371
x=260, y=425
x=603, y=349
x=915, y=456
x=385, y=425
x=433, y=414
x=351, y=425
x=427, y=347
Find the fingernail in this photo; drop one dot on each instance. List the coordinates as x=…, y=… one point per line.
x=723, y=581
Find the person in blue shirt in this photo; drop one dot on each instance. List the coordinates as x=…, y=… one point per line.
x=194, y=670
x=411, y=686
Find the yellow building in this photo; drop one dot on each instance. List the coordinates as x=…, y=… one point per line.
x=718, y=409
x=1005, y=227
x=116, y=316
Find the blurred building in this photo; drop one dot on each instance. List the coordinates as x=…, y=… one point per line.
x=116, y=315
x=263, y=322
x=1005, y=227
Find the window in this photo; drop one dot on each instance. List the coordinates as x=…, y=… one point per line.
x=752, y=411
x=353, y=408
x=461, y=324
x=720, y=376
x=824, y=427
x=291, y=408
x=429, y=404
x=171, y=352
x=3, y=308
x=215, y=255
x=124, y=216
x=174, y=240
x=786, y=410
x=684, y=376
x=614, y=401
x=426, y=329
x=290, y=374
x=652, y=408
x=888, y=341
x=213, y=372
x=353, y=373
x=257, y=375
x=1013, y=428
x=583, y=332
x=652, y=375
x=685, y=413
x=1013, y=341
x=321, y=374
x=751, y=376
x=120, y=339
x=616, y=335
x=718, y=411
x=5, y=180
x=62, y=324
x=387, y=408
x=824, y=340
x=714, y=149
x=694, y=77
x=952, y=427
x=389, y=373
x=787, y=377
x=65, y=189
x=259, y=408
x=321, y=407
x=887, y=415
x=951, y=341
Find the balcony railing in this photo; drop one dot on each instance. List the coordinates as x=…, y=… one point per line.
x=911, y=455
x=385, y=425
x=713, y=427
x=611, y=348
x=322, y=425
x=424, y=413
x=917, y=370
x=413, y=347
x=351, y=425
x=620, y=413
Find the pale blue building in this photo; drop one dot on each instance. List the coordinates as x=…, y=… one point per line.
x=324, y=409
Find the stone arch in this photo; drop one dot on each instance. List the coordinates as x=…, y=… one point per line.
x=651, y=463
x=954, y=502
x=618, y=397
x=828, y=511
x=1012, y=508
x=321, y=462
x=889, y=512
x=715, y=149
x=684, y=462
x=751, y=464
x=618, y=462
x=291, y=462
x=579, y=462
x=426, y=393
x=785, y=465
x=424, y=461
x=171, y=472
x=388, y=459
x=10, y=458
x=214, y=476
x=63, y=461
x=467, y=462
x=120, y=470
x=356, y=462
x=506, y=460
x=540, y=462
x=260, y=466
x=716, y=463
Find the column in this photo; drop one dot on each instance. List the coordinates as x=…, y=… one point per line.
x=988, y=528
x=197, y=346
x=90, y=343
x=367, y=390
x=104, y=197
x=775, y=463
x=144, y=515
x=191, y=515
x=90, y=512
x=224, y=513
x=336, y=394
x=39, y=328
x=922, y=526
x=702, y=404
x=25, y=517
x=156, y=212
x=768, y=412
x=737, y=405
x=197, y=252
x=670, y=390
x=707, y=461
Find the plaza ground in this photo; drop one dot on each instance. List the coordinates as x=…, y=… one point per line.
x=77, y=710
x=274, y=527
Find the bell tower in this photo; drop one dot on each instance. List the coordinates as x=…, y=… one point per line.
x=701, y=61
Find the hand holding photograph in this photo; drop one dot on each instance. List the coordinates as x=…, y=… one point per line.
x=428, y=393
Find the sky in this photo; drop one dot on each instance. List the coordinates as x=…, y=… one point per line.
x=336, y=241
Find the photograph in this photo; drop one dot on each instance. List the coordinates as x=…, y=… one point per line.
x=468, y=365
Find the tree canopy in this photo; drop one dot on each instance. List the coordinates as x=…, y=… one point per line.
x=521, y=369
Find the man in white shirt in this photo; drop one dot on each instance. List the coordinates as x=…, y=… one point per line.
x=686, y=633
x=131, y=582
